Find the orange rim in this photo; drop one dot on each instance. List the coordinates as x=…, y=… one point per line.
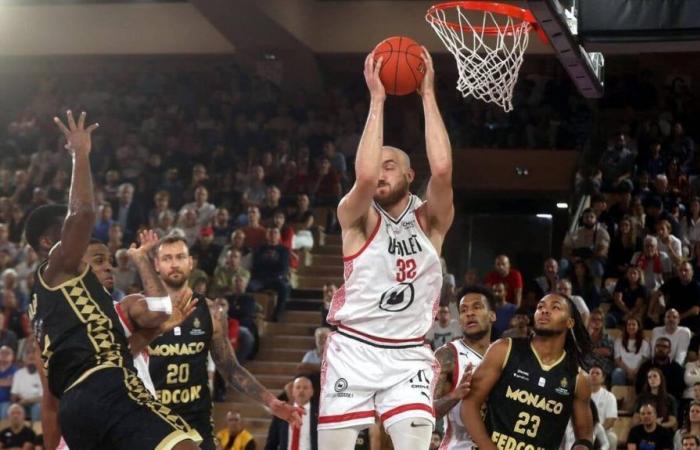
x=503, y=9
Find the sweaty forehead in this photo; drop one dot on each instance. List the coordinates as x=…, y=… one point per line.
x=95, y=250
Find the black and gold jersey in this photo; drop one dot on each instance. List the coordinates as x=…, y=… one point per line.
x=531, y=403
x=178, y=365
x=78, y=329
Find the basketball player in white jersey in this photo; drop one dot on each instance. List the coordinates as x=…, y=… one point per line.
x=458, y=358
x=376, y=364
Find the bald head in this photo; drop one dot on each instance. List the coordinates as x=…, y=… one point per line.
x=396, y=154
x=502, y=265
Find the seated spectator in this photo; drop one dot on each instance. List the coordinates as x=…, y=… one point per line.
x=10, y=284
x=204, y=211
x=689, y=427
x=336, y=159
x=205, y=250
x=115, y=239
x=237, y=242
x=7, y=337
x=26, y=385
x=242, y=307
x=564, y=288
x=504, y=310
x=511, y=277
x=435, y=440
x=602, y=346
x=15, y=320
x=673, y=372
x=235, y=436
x=188, y=226
x=444, y=329
x=17, y=435
x=165, y=224
x=690, y=442
x=669, y=243
x=624, y=243
x=690, y=228
x=547, y=282
x=103, y=222
x=649, y=434
x=681, y=293
x=654, y=392
x=325, y=184
x=271, y=270
x=519, y=326
x=691, y=377
x=631, y=350
x=255, y=234
x=617, y=162
x=224, y=275
x=589, y=243
x=605, y=403
x=655, y=265
x=585, y=285
x=302, y=211
x=221, y=226
x=629, y=298
x=271, y=204
x=7, y=372
x=601, y=440
x=125, y=275
x=26, y=267
x=5, y=243
x=280, y=432
x=311, y=362
x=128, y=212
x=679, y=336
x=655, y=212
x=161, y=201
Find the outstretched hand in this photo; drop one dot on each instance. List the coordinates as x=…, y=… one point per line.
x=427, y=86
x=182, y=309
x=78, y=138
x=374, y=83
x=148, y=240
x=287, y=412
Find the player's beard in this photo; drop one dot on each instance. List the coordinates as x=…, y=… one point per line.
x=477, y=336
x=175, y=284
x=395, y=195
x=543, y=332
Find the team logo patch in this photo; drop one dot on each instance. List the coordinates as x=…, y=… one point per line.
x=397, y=298
x=340, y=385
x=196, y=330
x=564, y=383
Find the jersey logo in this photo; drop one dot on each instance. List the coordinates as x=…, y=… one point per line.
x=397, y=298
x=196, y=330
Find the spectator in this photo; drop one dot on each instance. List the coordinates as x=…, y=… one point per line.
x=690, y=442
x=629, y=298
x=547, y=282
x=600, y=437
x=311, y=362
x=435, y=440
x=5, y=244
x=589, y=243
x=7, y=372
x=325, y=185
x=673, y=372
x=237, y=242
x=128, y=213
x=623, y=245
x=649, y=434
x=205, y=250
x=7, y=337
x=165, y=223
x=617, y=162
x=161, y=201
x=255, y=189
x=682, y=148
x=241, y=307
x=270, y=204
x=504, y=310
x=26, y=267
x=115, y=235
x=519, y=326
x=255, y=234
x=26, y=385
x=655, y=264
x=677, y=335
x=654, y=392
x=187, y=226
x=564, y=288
x=103, y=223
x=336, y=159
x=631, y=350
x=681, y=293
x=222, y=227
x=271, y=270
x=328, y=293
x=223, y=275
x=10, y=283
x=513, y=280
x=668, y=243
x=125, y=275
x=689, y=427
x=235, y=436
x=602, y=348
x=203, y=210
x=17, y=435
x=444, y=329
x=655, y=212
x=302, y=211
x=197, y=275
x=280, y=432
x=605, y=402
x=15, y=320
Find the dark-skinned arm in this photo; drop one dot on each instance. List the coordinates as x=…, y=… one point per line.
x=49, y=413
x=581, y=417
x=65, y=259
x=447, y=395
x=484, y=379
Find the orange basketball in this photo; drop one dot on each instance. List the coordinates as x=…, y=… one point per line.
x=402, y=67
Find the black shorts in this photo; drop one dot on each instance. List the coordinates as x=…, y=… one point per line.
x=203, y=425
x=112, y=410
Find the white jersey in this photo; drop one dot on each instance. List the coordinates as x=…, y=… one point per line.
x=456, y=435
x=392, y=285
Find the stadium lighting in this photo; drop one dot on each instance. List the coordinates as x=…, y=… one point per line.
x=562, y=205
x=544, y=216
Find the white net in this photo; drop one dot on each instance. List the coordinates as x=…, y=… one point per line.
x=488, y=65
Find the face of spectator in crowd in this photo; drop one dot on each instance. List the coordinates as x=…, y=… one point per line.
x=552, y=315
x=234, y=423
x=685, y=272
x=690, y=443
x=328, y=149
x=662, y=349
x=4, y=258
x=620, y=142
x=4, y=233
x=199, y=173
x=632, y=326
x=502, y=265
x=162, y=201
x=302, y=391
x=16, y=416
x=520, y=321
x=650, y=247
x=279, y=220
x=321, y=337
x=122, y=259
x=551, y=267
x=671, y=319
x=21, y=177
x=564, y=287
x=654, y=379
x=625, y=226
x=9, y=279
x=395, y=177
x=238, y=239
x=7, y=356
x=694, y=414
x=273, y=236
x=233, y=259
x=596, y=377
x=239, y=284
x=589, y=219
x=98, y=258
x=30, y=254
x=166, y=220
x=171, y=175
x=443, y=315
x=647, y=414
x=435, y=440
x=201, y=195
x=663, y=230
x=677, y=129
x=595, y=322
x=221, y=218
x=189, y=218
x=253, y=216
x=105, y=212
x=303, y=202
x=475, y=316
x=272, y=195
x=257, y=174
x=174, y=264
x=112, y=177
x=499, y=291
x=266, y=159
x=200, y=286
x=126, y=194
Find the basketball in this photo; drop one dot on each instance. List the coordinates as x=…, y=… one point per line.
x=402, y=68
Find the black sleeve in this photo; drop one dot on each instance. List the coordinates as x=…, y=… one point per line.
x=273, y=437
x=633, y=437
x=666, y=443
x=250, y=445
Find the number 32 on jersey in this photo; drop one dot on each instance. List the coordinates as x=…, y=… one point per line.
x=405, y=269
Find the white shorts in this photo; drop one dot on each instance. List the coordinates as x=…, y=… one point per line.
x=360, y=380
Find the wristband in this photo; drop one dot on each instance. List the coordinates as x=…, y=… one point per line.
x=585, y=442
x=160, y=304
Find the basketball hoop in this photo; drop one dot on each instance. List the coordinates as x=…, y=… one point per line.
x=488, y=41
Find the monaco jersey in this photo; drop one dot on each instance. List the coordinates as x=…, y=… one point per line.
x=456, y=435
x=392, y=285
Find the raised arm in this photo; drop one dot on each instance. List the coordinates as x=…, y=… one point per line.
x=237, y=376
x=484, y=379
x=355, y=206
x=446, y=397
x=65, y=259
x=582, y=417
x=440, y=211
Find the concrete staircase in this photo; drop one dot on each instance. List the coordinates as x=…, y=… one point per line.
x=284, y=343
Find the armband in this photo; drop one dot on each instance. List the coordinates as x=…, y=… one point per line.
x=160, y=304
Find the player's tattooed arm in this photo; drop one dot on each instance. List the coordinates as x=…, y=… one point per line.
x=445, y=397
x=235, y=375
x=140, y=256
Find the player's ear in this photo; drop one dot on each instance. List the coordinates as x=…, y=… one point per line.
x=570, y=323
x=492, y=316
x=410, y=175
